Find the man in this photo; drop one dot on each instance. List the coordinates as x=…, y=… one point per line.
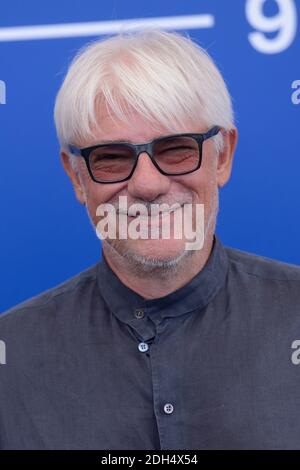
x=157, y=346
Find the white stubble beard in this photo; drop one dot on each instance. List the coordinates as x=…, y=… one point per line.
x=163, y=268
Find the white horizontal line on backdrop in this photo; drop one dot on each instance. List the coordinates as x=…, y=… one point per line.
x=67, y=30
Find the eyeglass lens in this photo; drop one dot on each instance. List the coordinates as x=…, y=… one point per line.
x=174, y=155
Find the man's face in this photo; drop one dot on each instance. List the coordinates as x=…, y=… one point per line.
x=147, y=185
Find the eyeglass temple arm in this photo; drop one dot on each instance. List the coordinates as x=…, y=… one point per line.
x=74, y=150
x=213, y=131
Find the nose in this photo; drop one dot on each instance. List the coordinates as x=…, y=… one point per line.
x=147, y=182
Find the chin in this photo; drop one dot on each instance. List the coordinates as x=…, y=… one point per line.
x=149, y=257
x=160, y=249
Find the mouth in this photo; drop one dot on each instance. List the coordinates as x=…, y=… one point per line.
x=153, y=215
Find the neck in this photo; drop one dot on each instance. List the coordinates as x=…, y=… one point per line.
x=159, y=279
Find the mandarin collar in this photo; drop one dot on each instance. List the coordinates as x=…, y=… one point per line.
x=131, y=308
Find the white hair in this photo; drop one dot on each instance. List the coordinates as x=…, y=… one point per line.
x=164, y=76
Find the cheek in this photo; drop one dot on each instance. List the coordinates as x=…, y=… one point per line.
x=202, y=184
x=97, y=194
x=208, y=177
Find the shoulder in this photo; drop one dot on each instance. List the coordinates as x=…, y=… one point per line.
x=264, y=294
x=52, y=300
x=268, y=287
x=262, y=267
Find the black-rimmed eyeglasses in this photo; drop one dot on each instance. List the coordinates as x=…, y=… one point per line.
x=172, y=155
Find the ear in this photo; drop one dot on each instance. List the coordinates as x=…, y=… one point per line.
x=225, y=157
x=74, y=177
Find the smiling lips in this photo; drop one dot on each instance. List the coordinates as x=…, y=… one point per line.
x=153, y=213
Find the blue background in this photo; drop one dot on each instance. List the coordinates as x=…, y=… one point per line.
x=45, y=235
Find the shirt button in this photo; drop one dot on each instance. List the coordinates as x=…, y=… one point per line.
x=143, y=347
x=139, y=313
x=168, y=408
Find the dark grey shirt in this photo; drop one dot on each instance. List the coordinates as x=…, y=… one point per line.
x=90, y=364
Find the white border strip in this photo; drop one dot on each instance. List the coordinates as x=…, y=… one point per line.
x=68, y=30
